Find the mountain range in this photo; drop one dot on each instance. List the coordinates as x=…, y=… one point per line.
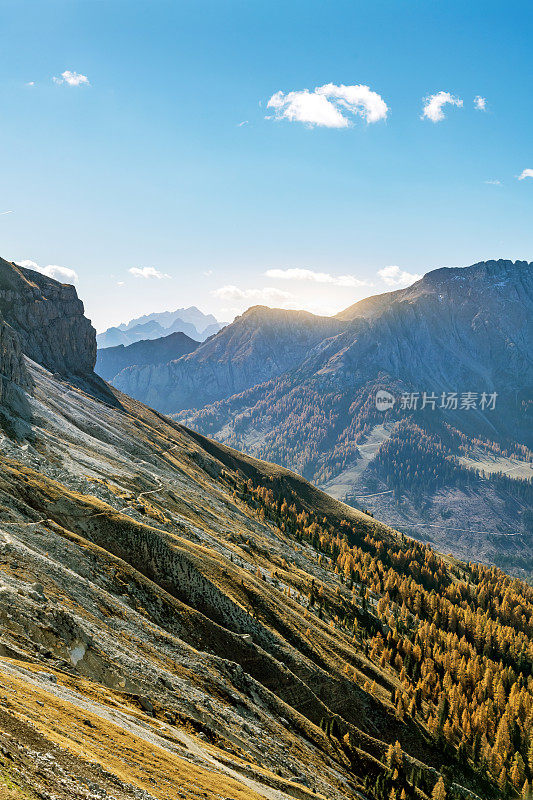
x=181, y=620
x=191, y=321
x=300, y=390
x=259, y=345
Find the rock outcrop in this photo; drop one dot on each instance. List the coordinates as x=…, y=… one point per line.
x=47, y=319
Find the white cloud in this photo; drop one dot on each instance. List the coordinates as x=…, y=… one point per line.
x=62, y=274
x=394, y=276
x=3, y=213
x=329, y=106
x=266, y=295
x=147, y=272
x=72, y=79
x=526, y=173
x=480, y=103
x=30, y=83
x=316, y=277
x=494, y=182
x=434, y=104
x=244, y=122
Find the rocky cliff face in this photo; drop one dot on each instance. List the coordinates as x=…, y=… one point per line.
x=47, y=319
x=13, y=370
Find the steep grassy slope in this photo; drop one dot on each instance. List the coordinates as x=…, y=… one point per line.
x=126, y=559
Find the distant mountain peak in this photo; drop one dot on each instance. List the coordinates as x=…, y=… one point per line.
x=261, y=312
x=191, y=321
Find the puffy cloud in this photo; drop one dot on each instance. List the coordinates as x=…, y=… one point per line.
x=359, y=100
x=62, y=274
x=480, y=103
x=316, y=277
x=434, y=104
x=72, y=79
x=266, y=295
x=526, y=173
x=329, y=106
x=307, y=107
x=394, y=276
x=147, y=272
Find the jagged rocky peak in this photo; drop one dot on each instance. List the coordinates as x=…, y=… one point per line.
x=462, y=284
x=484, y=270
x=47, y=318
x=483, y=276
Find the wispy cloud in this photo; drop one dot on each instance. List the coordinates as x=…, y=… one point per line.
x=526, y=173
x=147, y=272
x=480, y=103
x=244, y=122
x=72, y=79
x=63, y=274
x=493, y=182
x=329, y=106
x=3, y=213
x=394, y=276
x=316, y=277
x=30, y=83
x=434, y=104
x=268, y=294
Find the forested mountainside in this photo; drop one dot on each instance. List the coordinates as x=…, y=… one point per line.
x=461, y=336
x=179, y=620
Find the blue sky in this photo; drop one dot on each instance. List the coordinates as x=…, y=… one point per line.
x=147, y=166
